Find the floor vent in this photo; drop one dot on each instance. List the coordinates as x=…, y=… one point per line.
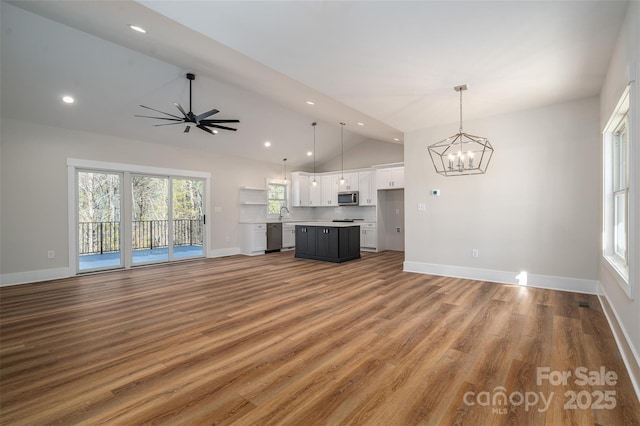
x=584, y=304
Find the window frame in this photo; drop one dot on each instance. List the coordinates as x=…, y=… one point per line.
x=287, y=197
x=618, y=184
x=620, y=172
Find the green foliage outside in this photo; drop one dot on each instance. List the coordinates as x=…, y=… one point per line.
x=277, y=198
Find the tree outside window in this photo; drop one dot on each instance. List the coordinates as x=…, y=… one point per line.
x=277, y=198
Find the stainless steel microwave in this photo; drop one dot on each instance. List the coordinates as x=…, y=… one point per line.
x=348, y=198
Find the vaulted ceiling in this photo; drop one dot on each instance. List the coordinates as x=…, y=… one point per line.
x=389, y=65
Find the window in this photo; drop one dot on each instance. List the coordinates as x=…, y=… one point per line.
x=277, y=197
x=620, y=189
x=617, y=146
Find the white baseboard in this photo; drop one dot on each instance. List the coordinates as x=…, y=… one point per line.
x=66, y=272
x=627, y=351
x=34, y=276
x=223, y=252
x=575, y=285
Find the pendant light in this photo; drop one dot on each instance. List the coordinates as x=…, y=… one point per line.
x=342, y=153
x=315, y=182
x=284, y=163
x=461, y=154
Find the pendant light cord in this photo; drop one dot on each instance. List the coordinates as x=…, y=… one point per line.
x=314, y=150
x=342, y=150
x=460, y=111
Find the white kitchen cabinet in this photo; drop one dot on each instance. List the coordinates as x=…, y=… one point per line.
x=367, y=189
x=315, y=191
x=390, y=178
x=368, y=236
x=253, y=238
x=350, y=182
x=288, y=235
x=299, y=189
x=330, y=190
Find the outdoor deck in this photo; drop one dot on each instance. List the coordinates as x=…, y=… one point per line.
x=112, y=259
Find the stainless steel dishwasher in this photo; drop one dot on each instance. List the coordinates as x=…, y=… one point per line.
x=274, y=237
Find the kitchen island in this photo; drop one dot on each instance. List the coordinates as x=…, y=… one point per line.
x=328, y=241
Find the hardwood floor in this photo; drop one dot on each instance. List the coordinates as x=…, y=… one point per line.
x=277, y=340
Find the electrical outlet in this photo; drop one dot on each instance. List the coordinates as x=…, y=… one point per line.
x=475, y=253
x=51, y=254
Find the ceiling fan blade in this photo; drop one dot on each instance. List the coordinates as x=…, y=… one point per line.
x=161, y=118
x=205, y=129
x=161, y=112
x=186, y=129
x=218, y=121
x=219, y=127
x=206, y=114
x=181, y=110
x=168, y=124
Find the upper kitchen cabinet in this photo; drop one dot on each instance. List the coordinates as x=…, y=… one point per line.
x=390, y=178
x=299, y=189
x=367, y=188
x=315, y=191
x=350, y=182
x=330, y=190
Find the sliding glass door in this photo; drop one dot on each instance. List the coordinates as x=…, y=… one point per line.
x=99, y=205
x=188, y=217
x=150, y=224
x=159, y=219
x=167, y=220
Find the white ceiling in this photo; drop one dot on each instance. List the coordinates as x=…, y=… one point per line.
x=388, y=64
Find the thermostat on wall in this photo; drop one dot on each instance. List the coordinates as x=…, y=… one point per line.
x=435, y=192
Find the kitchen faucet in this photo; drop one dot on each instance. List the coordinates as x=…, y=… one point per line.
x=285, y=209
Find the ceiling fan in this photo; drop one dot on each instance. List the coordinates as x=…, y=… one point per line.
x=189, y=118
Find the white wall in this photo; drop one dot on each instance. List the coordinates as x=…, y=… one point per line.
x=624, y=312
x=536, y=209
x=34, y=188
x=365, y=154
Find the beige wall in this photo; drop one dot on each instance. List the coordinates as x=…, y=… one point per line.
x=535, y=210
x=34, y=187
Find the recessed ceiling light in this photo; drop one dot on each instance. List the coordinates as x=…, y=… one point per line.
x=267, y=144
x=360, y=124
x=309, y=153
x=310, y=103
x=137, y=28
x=396, y=139
x=68, y=99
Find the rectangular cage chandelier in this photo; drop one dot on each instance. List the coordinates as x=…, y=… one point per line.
x=461, y=154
